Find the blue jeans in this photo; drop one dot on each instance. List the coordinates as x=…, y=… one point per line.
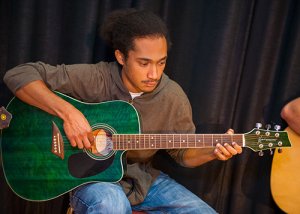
x=164, y=196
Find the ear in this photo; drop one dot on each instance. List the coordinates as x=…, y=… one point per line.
x=120, y=57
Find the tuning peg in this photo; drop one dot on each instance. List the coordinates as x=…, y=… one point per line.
x=277, y=127
x=261, y=153
x=258, y=125
x=271, y=152
x=268, y=126
x=280, y=150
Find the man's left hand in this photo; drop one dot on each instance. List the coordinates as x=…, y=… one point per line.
x=227, y=151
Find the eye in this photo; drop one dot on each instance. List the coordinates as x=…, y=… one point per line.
x=143, y=64
x=162, y=62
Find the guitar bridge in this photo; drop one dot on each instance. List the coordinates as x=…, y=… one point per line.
x=57, y=142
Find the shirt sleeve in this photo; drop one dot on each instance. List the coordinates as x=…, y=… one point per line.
x=81, y=81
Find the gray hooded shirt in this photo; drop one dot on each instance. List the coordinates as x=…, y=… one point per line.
x=162, y=111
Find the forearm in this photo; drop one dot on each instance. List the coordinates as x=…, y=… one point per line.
x=76, y=126
x=37, y=94
x=196, y=157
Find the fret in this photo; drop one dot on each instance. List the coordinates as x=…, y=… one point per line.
x=152, y=141
x=168, y=141
x=133, y=141
x=205, y=140
x=130, y=141
x=180, y=141
x=127, y=142
x=191, y=138
x=184, y=141
x=157, y=141
x=227, y=139
x=147, y=141
x=217, y=139
x=199, y=141
x=177, y=139
x=122, y=143
x=137, y=143
x=164, y=142
x=173, y=140
x=117, y=144
x=222, y=140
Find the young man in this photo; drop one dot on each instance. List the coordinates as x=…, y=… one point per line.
x=140, y=42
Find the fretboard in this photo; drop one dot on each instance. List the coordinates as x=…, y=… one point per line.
x=172, y=141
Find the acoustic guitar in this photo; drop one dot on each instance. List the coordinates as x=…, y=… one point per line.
x=285, y=177
x=40, y=164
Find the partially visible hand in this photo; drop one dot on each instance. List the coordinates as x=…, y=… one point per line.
x=227, y=151
x=78, y=129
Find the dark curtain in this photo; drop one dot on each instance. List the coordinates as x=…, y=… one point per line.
x=237, y=60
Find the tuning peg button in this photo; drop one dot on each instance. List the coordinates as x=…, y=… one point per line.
x=268, y=126
x=261, y=153
x=258, y=125
x=277, y=127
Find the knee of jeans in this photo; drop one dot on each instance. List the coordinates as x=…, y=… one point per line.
x=115, y=201
x=104, y=197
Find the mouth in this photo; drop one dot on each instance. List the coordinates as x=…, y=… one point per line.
x=150, y=83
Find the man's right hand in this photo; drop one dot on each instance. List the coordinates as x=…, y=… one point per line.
x=78, y=129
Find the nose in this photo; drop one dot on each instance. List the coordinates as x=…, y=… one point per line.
x=153, y=72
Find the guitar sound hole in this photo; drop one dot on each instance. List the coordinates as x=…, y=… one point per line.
x=103, y=145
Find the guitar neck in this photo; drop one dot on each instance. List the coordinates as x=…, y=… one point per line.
x=172, y=141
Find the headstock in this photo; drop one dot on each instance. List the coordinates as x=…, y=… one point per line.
x=5, y=118
x=260, y=139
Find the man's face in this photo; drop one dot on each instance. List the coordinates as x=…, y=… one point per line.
x=145, y=64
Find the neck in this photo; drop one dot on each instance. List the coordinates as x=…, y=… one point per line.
x=173, y=141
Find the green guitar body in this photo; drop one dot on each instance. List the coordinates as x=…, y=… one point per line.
x=34, y=173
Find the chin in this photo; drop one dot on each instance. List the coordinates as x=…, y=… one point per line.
x=148, y=90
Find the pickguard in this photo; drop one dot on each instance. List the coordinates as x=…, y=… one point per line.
x=81, y=165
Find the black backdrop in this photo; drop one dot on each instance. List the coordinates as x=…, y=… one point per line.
x=237, y=60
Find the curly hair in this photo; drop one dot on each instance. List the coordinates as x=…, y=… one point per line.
x=121, y=27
